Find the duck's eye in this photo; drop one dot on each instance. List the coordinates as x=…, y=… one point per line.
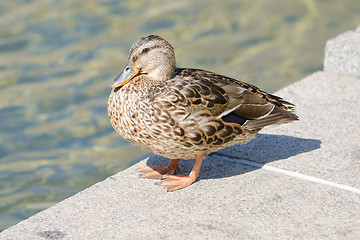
x=127, y=69
x=145, y=50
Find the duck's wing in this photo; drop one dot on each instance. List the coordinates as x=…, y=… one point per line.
x=231, y=99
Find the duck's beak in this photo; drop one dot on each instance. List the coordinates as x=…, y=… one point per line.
x=127, y=74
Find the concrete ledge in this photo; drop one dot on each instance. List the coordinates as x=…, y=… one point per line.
x=299, y=180
x=342, y=54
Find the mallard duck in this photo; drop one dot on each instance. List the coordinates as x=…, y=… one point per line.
x=185, y=113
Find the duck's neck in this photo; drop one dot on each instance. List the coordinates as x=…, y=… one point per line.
x=162, y=73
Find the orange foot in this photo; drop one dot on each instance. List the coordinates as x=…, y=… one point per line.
x=173, y=182
x=157, y=172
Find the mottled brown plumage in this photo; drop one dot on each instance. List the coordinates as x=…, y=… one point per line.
x=185, y=113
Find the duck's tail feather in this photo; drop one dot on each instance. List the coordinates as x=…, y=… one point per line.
x=277, y=116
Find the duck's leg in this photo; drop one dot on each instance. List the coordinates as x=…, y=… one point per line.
x=157, y=172
x=173, y=182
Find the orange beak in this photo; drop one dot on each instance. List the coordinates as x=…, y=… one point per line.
x=125, y=76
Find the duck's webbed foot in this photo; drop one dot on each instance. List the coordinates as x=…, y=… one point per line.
x=158, y=172
x=172, y=182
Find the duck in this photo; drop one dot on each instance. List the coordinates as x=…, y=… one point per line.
x=185, y=113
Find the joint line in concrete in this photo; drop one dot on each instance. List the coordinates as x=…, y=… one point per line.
x=290, y=173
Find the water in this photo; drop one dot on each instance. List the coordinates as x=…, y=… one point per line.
x=57, y=59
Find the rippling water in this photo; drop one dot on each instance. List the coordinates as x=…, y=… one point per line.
x=57, y=59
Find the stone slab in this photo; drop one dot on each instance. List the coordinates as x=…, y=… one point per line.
x=342, y=53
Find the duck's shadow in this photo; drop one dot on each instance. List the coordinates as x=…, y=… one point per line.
x=263, y=149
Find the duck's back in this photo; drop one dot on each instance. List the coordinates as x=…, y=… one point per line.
x=237, y=101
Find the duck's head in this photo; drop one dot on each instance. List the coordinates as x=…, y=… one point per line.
x=152, y=56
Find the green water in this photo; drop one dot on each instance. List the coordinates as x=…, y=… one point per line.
x=57, y=59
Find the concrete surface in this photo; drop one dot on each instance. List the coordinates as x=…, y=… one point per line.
x=342, y=54
x=294, y=181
